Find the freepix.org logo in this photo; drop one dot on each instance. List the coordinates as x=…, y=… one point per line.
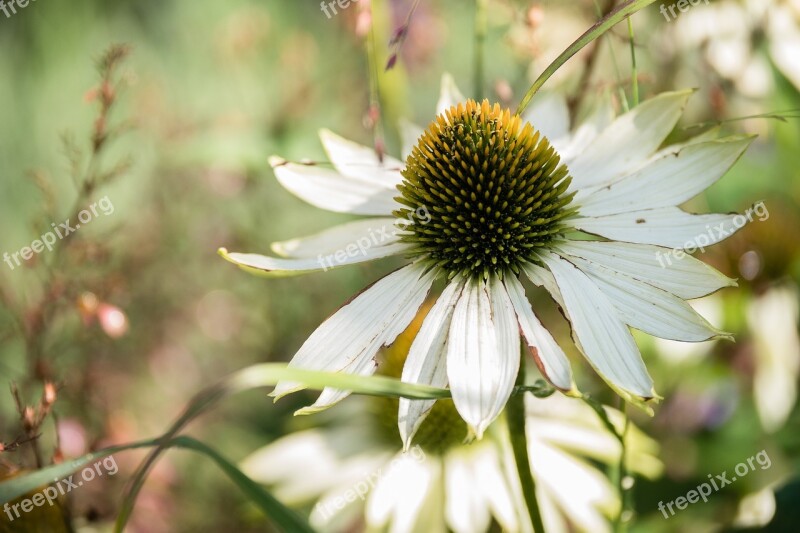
x=48, y=240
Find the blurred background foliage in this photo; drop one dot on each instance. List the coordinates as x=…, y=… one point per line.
x=137, y=312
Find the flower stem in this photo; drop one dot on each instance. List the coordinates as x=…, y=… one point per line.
x=480, y=43
x=519, y=444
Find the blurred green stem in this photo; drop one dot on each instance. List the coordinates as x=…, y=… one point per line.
x=519, y=444
x=634, y=71
x=619, y=472
x=480, y=45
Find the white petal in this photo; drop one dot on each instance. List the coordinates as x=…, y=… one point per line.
x=400, y=494
x=343, y=504
x=426, y=363
x=548, y=355
x=482, y=353
x=578, y=488
x=772, y=318
x=668, y=181
x=450, y=95
x=548, y=113
x=496, y=490
x=628, y=141
x=278, y=266
x=277, y=464
x=409, y=135
x=327, y=189
x=367, y=233
x=683, y=276
x=666, y=226
x=598, y=120
x=360, y=162
x=541, y=277
x=601, y=335
x=465, y=508
x=646, y=308
x=348, y=340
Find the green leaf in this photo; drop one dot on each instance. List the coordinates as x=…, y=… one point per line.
x=283, y=517
x=16, y=487
x=263, y=375
x=599, y=28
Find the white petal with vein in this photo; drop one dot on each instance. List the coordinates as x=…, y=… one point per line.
x=685, y=277
x=279, y=266
x=361, y=162
x=602, y=336
x=327, y=189
x=628, y=141
x=427, y=361
x=646, y=308
x=482, y=353
x=668, y=181
x=548, y=355
x=348, y=340
x=366, y=233
x=666, y=226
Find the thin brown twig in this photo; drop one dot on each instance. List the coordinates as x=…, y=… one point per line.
x=574, y=102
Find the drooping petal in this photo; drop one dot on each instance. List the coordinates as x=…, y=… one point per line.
x=337, y=508
x=449, y=95
x=427, y=361
x=628, y=141
x=349, y=340
x=548, y=113
x=367, y=233
x=599, y=333
x=466, y=511
x=482, y=353
x=263, y=265
x=277, y=464
x=548, y=355
x=668, y=181
x=327, y=189
x=682, y=275
x=488, y=476
x=361, y=162
x=646, y=308
x=666, y=226
x=399, y=495
x=584, y=497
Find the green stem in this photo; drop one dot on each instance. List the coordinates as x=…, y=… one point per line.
x=620, y=523
x=480, y=43
x=606, y=23
x=634, y=71
x=519, y=444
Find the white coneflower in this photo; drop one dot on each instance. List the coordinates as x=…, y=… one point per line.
x=486, y=198
x=442, y=484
